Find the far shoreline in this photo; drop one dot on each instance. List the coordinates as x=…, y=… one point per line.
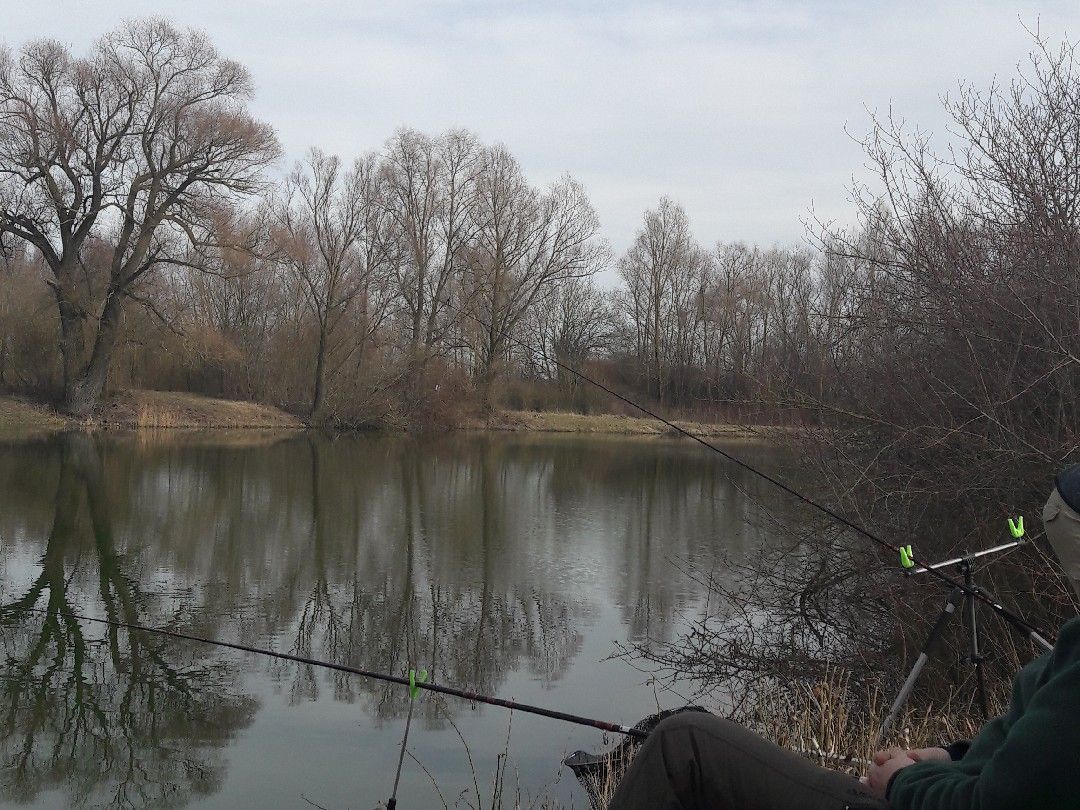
x=166, y=411
x=606, y=424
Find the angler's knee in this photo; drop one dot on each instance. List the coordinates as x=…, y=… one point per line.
x=705, y=742
x=698, y=751
x=688, y=738
x=695, y=724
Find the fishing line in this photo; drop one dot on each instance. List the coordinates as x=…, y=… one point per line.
x=1038, y=636
x=465, y=694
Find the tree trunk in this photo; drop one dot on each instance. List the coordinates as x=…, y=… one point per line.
x=417, y=365
x=83, y=396
x=490, y=370
x=316, y=416
x=656, y=349
x=72, y=338
x=487, y=388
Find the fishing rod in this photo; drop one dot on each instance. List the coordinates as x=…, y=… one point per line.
x=413, y=683
x=1037, y=636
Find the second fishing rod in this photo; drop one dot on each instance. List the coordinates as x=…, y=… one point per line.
x=410, y=682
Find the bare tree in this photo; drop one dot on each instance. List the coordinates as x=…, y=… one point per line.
x=525, y=242
x=662, y=271
x=330, y=238
x=955, y=371
x=228, y=304
x=139, y=142
x=429, y=191
x=570, y=324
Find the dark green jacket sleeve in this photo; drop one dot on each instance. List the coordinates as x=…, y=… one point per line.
x=1028, y=758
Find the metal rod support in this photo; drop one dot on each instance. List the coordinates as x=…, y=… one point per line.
x=924, y=656
x=975, y=556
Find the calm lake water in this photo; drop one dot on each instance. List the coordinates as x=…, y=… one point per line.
x=508, y=565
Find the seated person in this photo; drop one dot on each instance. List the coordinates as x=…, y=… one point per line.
x=1028, y=758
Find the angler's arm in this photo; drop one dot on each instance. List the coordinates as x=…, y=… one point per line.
x=1037, y=764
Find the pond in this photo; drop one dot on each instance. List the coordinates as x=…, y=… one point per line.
x=506, y=564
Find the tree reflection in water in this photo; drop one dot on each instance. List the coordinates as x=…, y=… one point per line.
x=403, y=614
x=456, y=556
x=113, y=718
x=473, y=557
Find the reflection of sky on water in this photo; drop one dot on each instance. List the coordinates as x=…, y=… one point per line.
x=509, y=564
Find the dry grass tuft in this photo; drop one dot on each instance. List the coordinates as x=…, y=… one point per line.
x=151, y=415
x=170, y=410
x=835, y=724
x=603, y=785
x=23, y=416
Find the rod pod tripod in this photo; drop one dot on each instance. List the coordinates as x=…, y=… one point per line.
x=958, y=598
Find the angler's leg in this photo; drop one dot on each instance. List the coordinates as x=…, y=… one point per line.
x=696, y=760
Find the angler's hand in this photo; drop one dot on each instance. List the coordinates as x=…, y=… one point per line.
x=886, y=763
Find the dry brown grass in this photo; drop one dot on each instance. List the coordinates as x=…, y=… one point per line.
x=18, y=415
x=835, y=725
x=148, y=410
x=604, y=785
x=170, y=410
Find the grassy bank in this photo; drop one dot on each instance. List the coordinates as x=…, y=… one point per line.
x=163, y=410
x=613, y=424
x=21, y=416
x=166, y=410
x=148, y=410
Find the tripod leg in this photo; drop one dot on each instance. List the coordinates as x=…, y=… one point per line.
x=976, y=657
x=924, y=656
x=980, y=677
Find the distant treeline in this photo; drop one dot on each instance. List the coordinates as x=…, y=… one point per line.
x=146, y=243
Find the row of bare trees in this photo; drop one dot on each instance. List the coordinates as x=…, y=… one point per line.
x=134, y=179
x=140, y=226
x=145, y=243
x=734, y=321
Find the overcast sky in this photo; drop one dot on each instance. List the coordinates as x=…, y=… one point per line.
x=738, y=110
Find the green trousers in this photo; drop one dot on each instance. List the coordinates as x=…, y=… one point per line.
x=695, y=760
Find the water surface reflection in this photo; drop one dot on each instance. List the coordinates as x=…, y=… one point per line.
x=506, y=565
